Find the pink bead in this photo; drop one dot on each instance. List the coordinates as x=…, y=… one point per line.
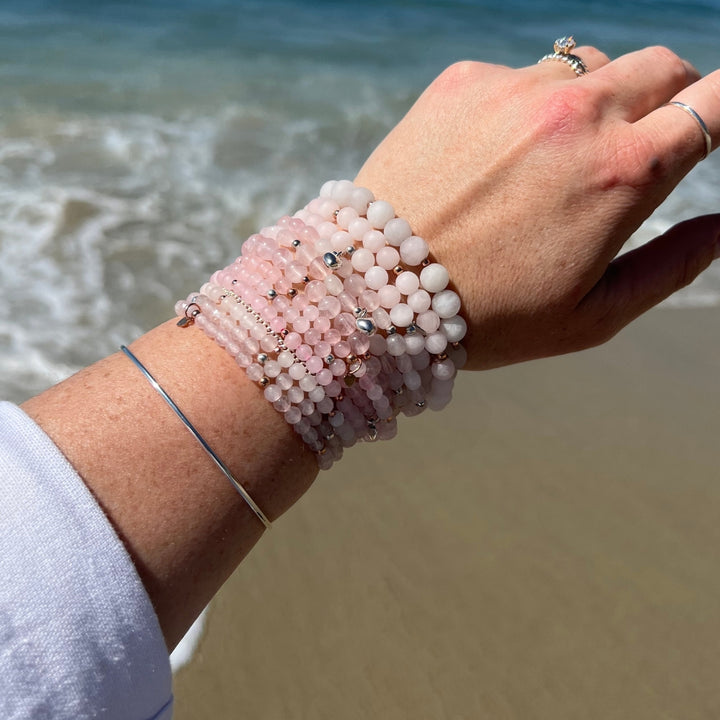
x=295, y=395
x=414, y=343
x=293, y=415
x=314, y=365
x=334, y=284
x=360, y=198
x=311, y=313
x=332, y=336
x=388, y=296
x=397, y=230
x=304, y=353
x=315, y=290
x=369, y=300
x=295, y=272
x=293, y=341
x=358, y=227
x=323, y=349
x=317, y=269
x=376, y=277
x=341, y=349
x=354, y=285
x=313, y=336
x=362, y=260
x=345, y=216
x=255, y=372
x=387, y=257
x=296, y=371
x=347, y=301
x=283, y=381
x=345, y=323
x=330, y=306
x=359, y=343
x=381, y=318
x=272, y=393
x=407, y=282
x=324, y=377
x=308, y=383
x=374, y=240
x=307, y=407
x=322, y=324
x=301, y=325
x=282, y=405
x=300, y=302
x=419, y=301
x=277, y=324
x=380, y=213
x=338, y=368
x=340, y=240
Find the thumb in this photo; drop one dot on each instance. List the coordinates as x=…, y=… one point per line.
x=641, y=278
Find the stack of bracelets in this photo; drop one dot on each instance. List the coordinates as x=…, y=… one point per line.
x=339, y=315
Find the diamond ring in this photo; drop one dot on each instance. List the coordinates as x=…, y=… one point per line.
x=563, y=48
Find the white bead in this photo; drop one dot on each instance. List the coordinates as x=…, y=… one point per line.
x=401, y=315
x=419, y=301
x=428, y=321
x=454, y=328
x=362, y=260
x=395, y=344
x=412, y=379
x=326, y=190
x=407, y=282
x=397, y=230
x=434, y=277
x=414, y=343
x=446, y=303
x=342, y=192
x=421, y=360
x=444, y=370
x=297, y=371
x=435, y=343
x=376, y=277
x=360, y=199
x=317, y=394
x=307, y=383
x=380, y=213
x=286, y=359
x=389, y=296
x=414, y=250
x=404, y=362
x=387, y=257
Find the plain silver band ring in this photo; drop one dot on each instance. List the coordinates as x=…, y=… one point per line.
x=699, y=121
x=573, y=61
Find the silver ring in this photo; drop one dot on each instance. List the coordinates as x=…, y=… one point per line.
x=699, y=121
x=562, y=51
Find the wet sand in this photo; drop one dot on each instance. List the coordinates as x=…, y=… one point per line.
x=547, y=547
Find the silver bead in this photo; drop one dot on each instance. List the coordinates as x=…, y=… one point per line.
x=330, y=359
x=391, y=330
x=292, y=292
x=365, y=325
x=296, y=243
x=350, y=249
x=397, y=269
x=411, y=330
x=262, y=358
x=272, y=293
x=263, y=381
x=359, y=312
x=331, y=260
x=420, y=404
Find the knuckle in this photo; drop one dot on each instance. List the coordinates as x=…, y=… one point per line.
x=675, y=68
x=456, y=76
x=566, y=109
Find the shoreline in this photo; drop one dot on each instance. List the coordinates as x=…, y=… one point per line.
x=545, y=550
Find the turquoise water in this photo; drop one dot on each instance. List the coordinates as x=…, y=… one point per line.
x=140, y=142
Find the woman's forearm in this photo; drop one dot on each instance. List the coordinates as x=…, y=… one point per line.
x=183, y=523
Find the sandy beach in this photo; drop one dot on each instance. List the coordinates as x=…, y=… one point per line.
x=545, y=548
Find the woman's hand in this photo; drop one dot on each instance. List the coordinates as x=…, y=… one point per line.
x=526, y=183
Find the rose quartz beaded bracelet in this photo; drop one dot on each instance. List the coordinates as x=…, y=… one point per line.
x=340, y=316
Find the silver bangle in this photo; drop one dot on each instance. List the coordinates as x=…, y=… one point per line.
x=223, y=468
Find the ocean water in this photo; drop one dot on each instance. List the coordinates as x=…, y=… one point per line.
x=140, y=142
